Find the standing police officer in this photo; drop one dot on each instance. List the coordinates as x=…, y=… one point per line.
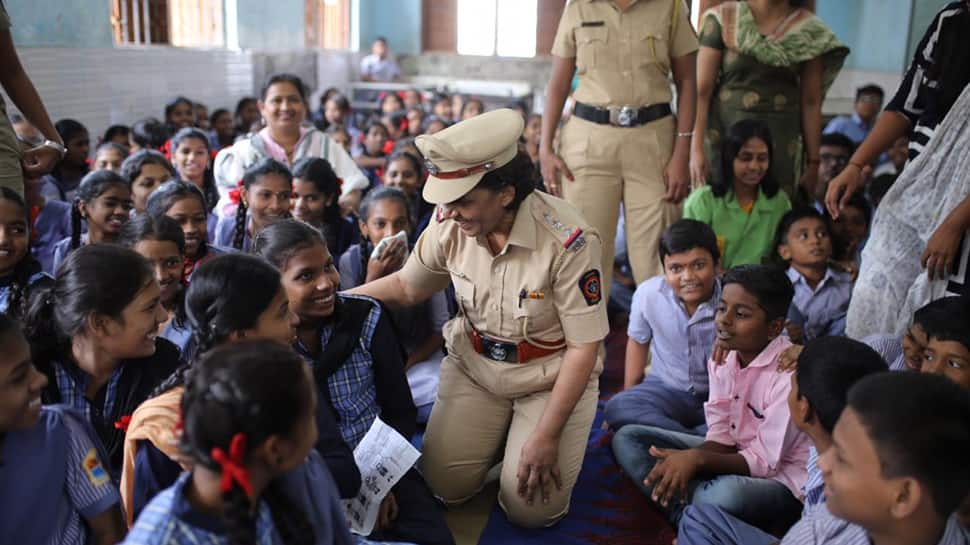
x=621, y=143
x=523, y=354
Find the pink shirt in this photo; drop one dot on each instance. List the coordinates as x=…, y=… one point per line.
x=275, y=150
x=748, y=408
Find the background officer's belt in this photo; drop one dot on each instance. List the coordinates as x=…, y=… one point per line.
x=621, y=116
x=522, y=352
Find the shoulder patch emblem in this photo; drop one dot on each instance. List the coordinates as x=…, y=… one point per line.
x=94, y=469
x=589, y=285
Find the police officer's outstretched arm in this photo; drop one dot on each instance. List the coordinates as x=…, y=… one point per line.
x=577, y=294
x=554, y=169
x=395, y=291
x=424, y=274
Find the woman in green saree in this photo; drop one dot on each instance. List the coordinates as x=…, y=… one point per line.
x=771, y=60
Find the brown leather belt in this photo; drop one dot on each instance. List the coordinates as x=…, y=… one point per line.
x=522, y=352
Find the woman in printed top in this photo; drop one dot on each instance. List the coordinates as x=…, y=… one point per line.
x=385, y=213
x=358, y=368
x=283, y=104
x=184, y=203
x=20, y=272
x=316, y=189
x=264, y=198
x=94, y=334
x=103, y=204
x=160, y=241
x=55, y=488
x=234, y=297
x=248, y=426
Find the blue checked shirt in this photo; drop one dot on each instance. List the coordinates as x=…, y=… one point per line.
x=353, y=391
x=823, y=528
x=72, y=383
x=170, y=520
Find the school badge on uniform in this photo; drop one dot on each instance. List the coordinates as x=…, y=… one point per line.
x=94, y=469
x=589, y=284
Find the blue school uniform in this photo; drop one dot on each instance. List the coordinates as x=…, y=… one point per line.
x=225, y=230
x=672, y=396
x=59, y=252
x=170, y=520
x=7, y=281
x=181, y=337
x=54, y=475
x=52, y=225
x=821, y=311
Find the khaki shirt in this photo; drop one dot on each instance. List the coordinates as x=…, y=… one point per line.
x=544, y=255
x=623, y=58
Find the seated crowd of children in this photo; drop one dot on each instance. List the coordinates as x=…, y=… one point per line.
x=153, y=379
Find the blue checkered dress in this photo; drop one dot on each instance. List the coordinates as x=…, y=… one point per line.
x=353, y=392
x=72, y=383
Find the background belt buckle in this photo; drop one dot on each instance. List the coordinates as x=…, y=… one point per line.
x=626, y=116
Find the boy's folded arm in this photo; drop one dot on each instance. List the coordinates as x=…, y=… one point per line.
x=721, y=463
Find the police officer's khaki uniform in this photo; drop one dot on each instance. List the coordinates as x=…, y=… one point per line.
x=623, y=59
x=543, y=289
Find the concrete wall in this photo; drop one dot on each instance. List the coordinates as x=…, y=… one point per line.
x=274, y=25
x=873, y=29
x=397, y=20
x=60, y=23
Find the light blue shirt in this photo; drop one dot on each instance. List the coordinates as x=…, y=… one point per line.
x=851, y=126
x=822, y=527
x=680, y=345
x=890, y=347
x=814, y=487
x=820, y=312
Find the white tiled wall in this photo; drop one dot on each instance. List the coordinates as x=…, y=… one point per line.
x=100, y=87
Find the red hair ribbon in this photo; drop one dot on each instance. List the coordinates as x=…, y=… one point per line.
x=234, y=194
x=166, y=149
x=122, y=423
x=233, y=465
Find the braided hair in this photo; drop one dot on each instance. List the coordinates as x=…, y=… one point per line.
x=227, y=294
x=92, y=186
x=27, y=266
x=208, y=178
x=254, y=390
x=253, y=176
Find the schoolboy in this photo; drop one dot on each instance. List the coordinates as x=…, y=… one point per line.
x=804, y=242
x=672, y=316
x=897, y=469
x=827, y=368
x=752, y=462
x=947, y=349
x=55, y=486
x=372, y=157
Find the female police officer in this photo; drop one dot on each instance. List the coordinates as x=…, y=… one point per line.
x=523, y=352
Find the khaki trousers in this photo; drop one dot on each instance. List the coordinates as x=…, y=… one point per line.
x=614, y=164
x=483, y=407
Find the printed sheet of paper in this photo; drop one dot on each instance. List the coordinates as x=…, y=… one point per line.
x=383, y=457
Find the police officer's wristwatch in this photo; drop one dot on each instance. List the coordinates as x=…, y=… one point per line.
x=61, y=150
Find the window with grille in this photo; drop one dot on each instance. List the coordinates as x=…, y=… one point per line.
x=140, y=22
x=327, y=23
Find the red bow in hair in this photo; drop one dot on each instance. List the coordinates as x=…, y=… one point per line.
x=122, y=423
x=234, y=194
x=166, y=149
x=233, y=465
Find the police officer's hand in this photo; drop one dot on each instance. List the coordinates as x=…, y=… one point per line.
x=538, y=469
x=677, y=179
x=552, y=167
x=698, y=167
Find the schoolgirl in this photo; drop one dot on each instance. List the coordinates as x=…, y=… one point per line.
x=145, y=170
x=184, y=203
x=50, y=222
x=404, y=172
x=316, y=190
x=109, y=156
x=191, y=157
x=104, y=203
x=20, y=272
x=248, y=418
x=264, y=198
x=358, y=367
x=63, y=181
x=55, y=488
x=94, y=334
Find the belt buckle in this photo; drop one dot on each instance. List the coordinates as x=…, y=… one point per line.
x=499, y=351
x=626, y=116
